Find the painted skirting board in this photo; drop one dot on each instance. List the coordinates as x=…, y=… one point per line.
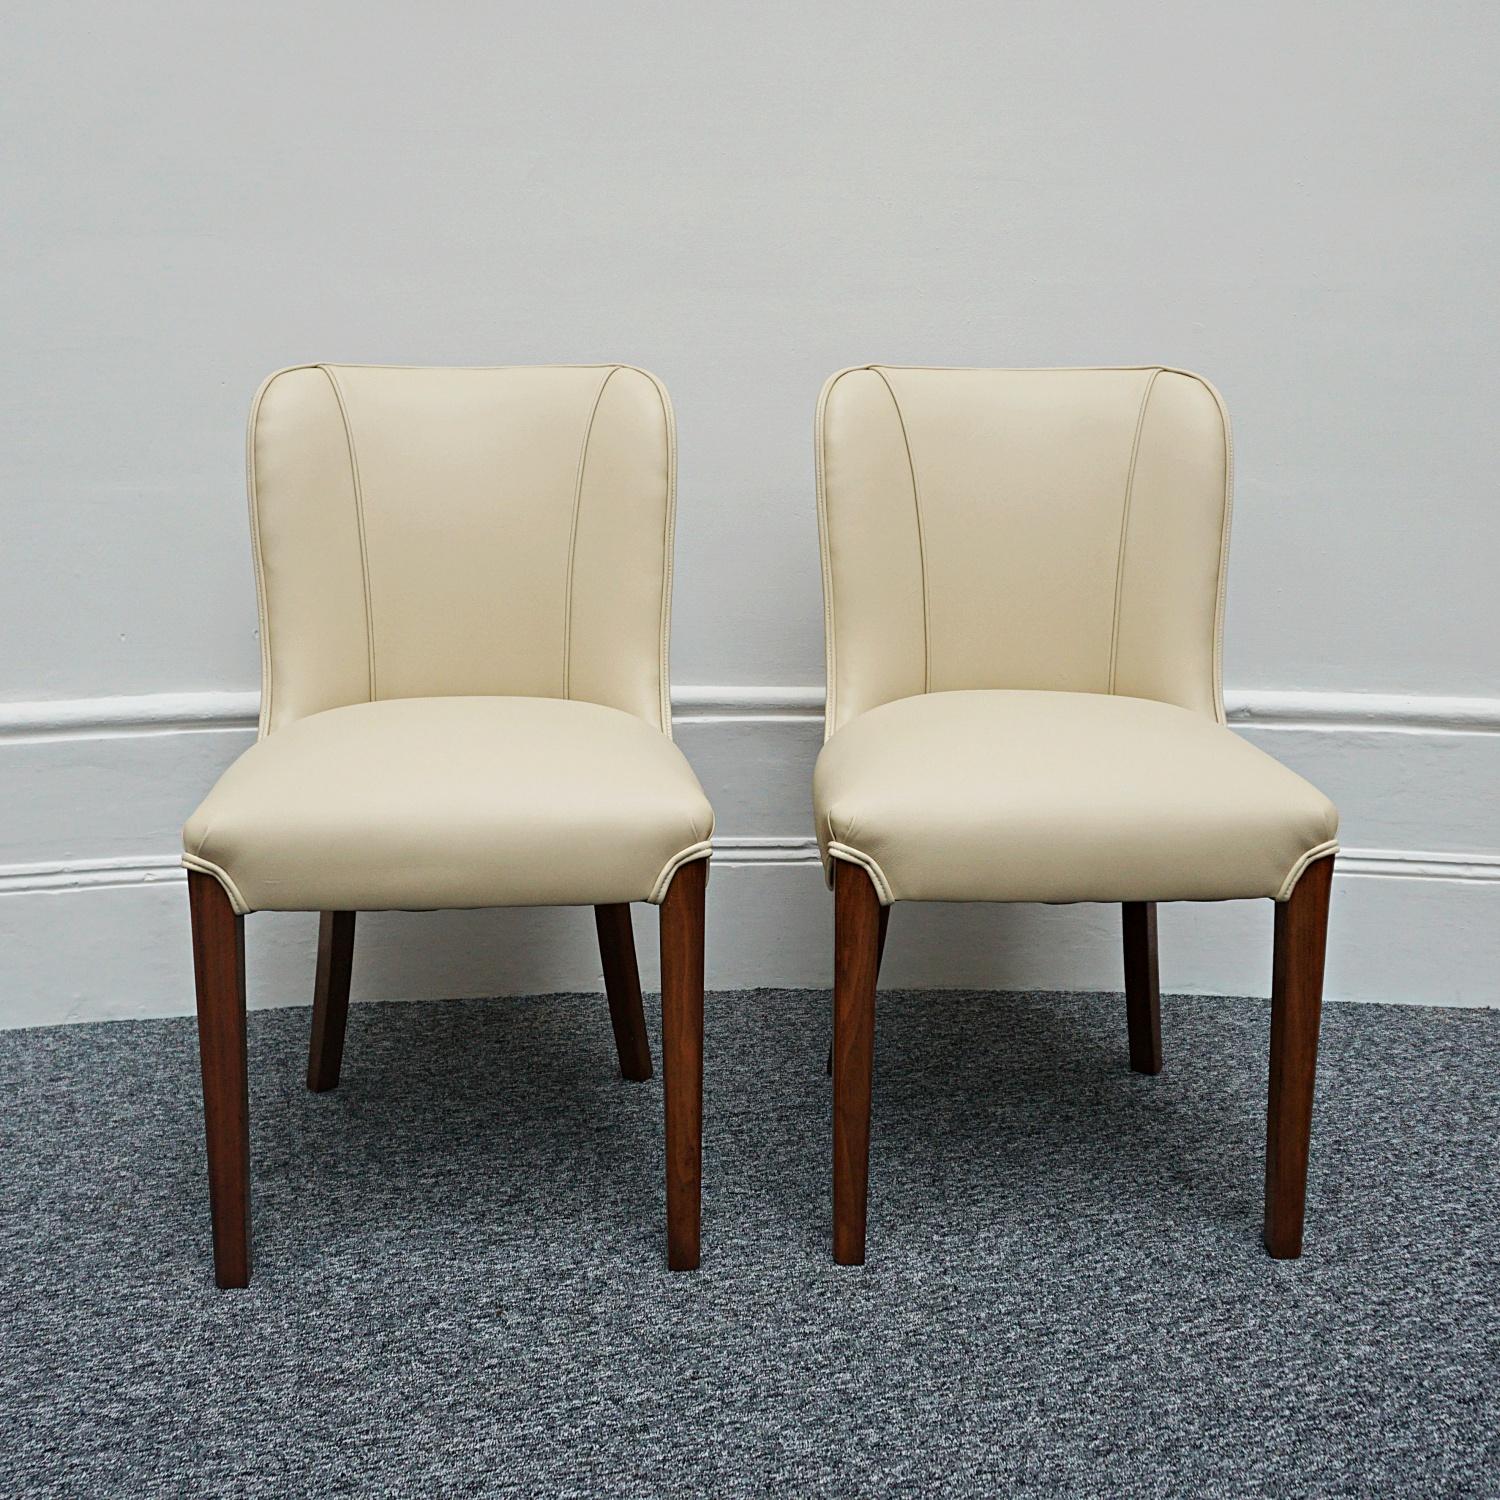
x=93, y=917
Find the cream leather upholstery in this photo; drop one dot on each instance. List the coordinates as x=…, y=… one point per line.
x=425, y=533
x=1024, y=586
x=452, y=802
x=1030, y=796
x=464, y=579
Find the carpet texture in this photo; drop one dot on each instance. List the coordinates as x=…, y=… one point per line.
x=460, y=1285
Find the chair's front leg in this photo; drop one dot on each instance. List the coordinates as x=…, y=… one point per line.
x=885, y=922
x=219, y=967
x=1296, y=1007
x=325, y=1048
x=682, y=1058
x=857, y=933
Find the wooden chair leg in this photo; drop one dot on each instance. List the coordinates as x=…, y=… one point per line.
x=682, y=1058
x=219, y=968
x=325, y=1051
x=1296, y=1007
x=885, y=921
x=856, y=960
x=622, y=983
x=1142, y=988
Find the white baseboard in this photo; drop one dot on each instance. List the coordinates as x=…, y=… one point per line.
x=93, y=924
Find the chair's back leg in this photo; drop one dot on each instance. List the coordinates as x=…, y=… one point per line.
x=856, y=962
x=219, y=967
x=325, y=1050
x=682, y=1058
x=1142, y=987
x=1296, y=1008
x=622, y=984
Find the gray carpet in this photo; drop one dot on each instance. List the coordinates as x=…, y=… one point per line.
x=460, y=1286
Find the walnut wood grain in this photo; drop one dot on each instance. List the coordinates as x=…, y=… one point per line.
x=622, y=984
x=325, y=1048
x=1142, y=988
x=219, y=970
x=682, y=913
x=1296, y=1010
x=856, y=961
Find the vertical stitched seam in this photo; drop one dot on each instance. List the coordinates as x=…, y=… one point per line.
x=669, y=539
x=583, y=457
x=1217, y=670
x=262, y=608
x=1135, y=449
x=825, y=549
x=916, y=500
x=359, y=517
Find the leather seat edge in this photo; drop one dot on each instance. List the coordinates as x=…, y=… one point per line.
x=703, y=849
x=871, y=868
x=1317, y=852
x=207, y=867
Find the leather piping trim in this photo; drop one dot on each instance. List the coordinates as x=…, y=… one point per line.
x=207, y=867
x=669, y=540
x=1319, y=851
x=1218, y=666
x=1034, y=369
x=871, y=868
x=352, y=364
x=702, y=850
x=359, y=517
x=830, y=645
x=916, y=500
x=261, y=606
x=583, y=458
x=825, y=542
x=1135, y=452
x=836, y=850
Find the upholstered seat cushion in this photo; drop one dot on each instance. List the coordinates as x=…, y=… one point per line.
x=1045, y=796
x=431, y=803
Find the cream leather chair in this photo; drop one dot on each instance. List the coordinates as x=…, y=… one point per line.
x=1024, y=585
x=464, y=580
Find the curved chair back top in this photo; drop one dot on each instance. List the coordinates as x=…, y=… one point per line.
x=1056, y=529
x=456, y=532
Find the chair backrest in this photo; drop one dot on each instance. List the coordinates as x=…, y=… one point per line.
x=1063, y=529
x=436, y=532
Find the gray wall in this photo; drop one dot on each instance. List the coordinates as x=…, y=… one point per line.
x=1299, y=200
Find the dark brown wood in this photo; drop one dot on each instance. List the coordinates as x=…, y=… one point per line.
x=1142, y=988
x=682, y=1058
x=219, y=968
x=885, y=922
x=856, y=961
x=622, y=983
x=325, y=1050
x=1296, y=1008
